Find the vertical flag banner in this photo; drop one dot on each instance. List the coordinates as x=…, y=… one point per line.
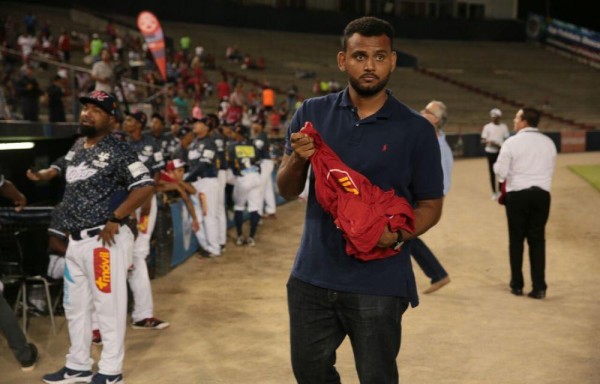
x=153, y=34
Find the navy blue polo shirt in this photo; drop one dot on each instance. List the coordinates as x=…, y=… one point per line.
x=394, y=148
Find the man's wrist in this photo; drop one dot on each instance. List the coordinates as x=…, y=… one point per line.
x=113, y=218
x=399, y=241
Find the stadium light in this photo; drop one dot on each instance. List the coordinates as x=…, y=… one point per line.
x=14, y=146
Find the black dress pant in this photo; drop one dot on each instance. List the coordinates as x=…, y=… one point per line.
x=527, y=213
x=491, y=158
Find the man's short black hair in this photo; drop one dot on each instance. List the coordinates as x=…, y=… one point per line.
x=368, y=26
x=532, y=116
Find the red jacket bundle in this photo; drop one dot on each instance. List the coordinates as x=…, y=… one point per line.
x=360, y=209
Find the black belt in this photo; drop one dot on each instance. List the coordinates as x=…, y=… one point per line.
x=80, y=235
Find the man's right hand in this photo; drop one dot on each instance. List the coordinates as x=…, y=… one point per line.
x=33, y=175
x=302, y=144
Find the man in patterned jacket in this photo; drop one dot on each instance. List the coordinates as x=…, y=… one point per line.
x=96, y=169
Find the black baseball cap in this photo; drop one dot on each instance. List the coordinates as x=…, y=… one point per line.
x=139, y=116
x=101, y=99
x=158, y=116
x=242, y=130
x=183, y=130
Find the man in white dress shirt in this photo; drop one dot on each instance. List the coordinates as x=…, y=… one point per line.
x=526, y=163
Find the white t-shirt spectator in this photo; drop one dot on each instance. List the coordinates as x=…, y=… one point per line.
x=27, y=43
x=103, y=70
x=496, y=133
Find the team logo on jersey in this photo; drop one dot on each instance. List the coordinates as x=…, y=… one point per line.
x=101, y=162
x=242, y=151
x=208, y=154
x=147, y=151
x=102, y=269
x=79, y=172
x=193, y=154
x=136, y=169
x=344, y=180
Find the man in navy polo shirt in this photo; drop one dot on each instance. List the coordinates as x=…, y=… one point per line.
x=332, y=294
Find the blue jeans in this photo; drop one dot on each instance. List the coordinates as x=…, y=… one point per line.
x=321, y=318
x=427, y=261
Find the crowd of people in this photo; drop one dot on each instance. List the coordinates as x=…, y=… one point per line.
x=116, y=55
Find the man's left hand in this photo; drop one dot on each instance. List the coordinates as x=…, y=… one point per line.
x=387, y=239
x=107, y=235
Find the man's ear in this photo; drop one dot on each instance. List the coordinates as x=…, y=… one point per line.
x=341, y=61
x=394, y=60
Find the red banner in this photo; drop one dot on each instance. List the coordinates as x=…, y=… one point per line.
x=150, y=27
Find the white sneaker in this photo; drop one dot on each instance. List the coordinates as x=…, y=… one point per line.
x=239, y=240
x=495, y=195
x=251, y=242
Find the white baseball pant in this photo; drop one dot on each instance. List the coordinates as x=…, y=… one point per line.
x=221, y=211
x=247, y=190
x=209, y=186
x=96, y=280
x=139, y=280
x=266, y=185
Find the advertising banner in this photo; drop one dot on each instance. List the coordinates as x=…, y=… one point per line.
x=153, y=35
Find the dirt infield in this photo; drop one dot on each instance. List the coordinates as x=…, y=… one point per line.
x=230, y=325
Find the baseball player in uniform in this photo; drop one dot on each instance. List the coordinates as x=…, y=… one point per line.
x=148, y=152
x=186, y=137
x=221, y=143
x=96, y=259
x=157, y=131
x=263, y=144
x=243, y=160
x=202, y=160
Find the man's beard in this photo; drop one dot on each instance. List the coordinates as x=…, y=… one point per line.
x=89, y=131
x=368, y=91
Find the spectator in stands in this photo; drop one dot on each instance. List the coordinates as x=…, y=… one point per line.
x=27, y=42
x=185, y=42
x=55, y=95
x=64, y=46
x=268, y=97
x=28, y=92
x=30, y=23
x=4, y=107
x=111, y=31
x=492, y=136
x=223, y=88
x=233, y=54
x=182, y=104
x=96, y=45
x=102, y=73
x=26, y=353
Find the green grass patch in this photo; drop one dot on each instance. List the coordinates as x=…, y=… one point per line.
x=590, y=173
